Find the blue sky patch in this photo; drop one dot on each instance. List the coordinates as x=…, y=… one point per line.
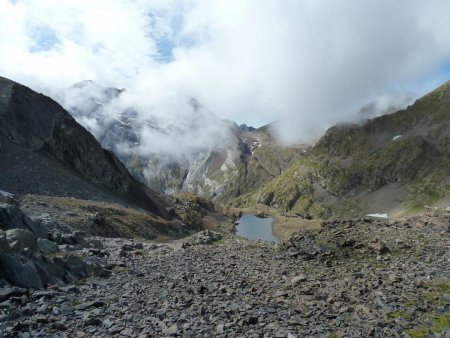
x=43, y=36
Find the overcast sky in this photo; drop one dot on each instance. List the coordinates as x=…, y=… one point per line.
x=308, y=63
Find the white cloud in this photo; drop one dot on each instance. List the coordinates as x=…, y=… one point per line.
x=307, y=63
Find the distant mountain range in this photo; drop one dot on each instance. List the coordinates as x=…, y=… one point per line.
x=395, y=163
x=231, y=161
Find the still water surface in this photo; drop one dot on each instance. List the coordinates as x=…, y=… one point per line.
x=253, y=227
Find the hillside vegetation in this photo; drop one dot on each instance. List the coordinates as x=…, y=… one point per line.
x=394, y=163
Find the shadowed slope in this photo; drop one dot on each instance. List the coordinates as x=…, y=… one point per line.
x=45, y=151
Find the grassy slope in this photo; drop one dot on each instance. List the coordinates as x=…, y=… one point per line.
x=269, y=160
x=355, y=169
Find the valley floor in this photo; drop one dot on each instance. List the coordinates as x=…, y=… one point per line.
x=346, y=279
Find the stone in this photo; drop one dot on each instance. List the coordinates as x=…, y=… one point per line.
x=220, y=328
x=47, y=247
x=59, y=326
x=75, y=265
x=298, y=279
x=21, y=271
x=171, y=331
x=446, y=297
x=21, y=240
x=108, y=323
x=7, y=293
x=71, y=289
x=92, y=321
x=127, y=332
x=87, y=305
x=44, y=294
x=379, y=247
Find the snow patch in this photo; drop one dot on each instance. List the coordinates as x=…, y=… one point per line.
x=377, y=215
x=396, y=137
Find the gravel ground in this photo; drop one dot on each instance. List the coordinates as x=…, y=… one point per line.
x=357, y=278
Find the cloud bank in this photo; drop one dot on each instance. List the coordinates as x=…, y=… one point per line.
x=308, y=64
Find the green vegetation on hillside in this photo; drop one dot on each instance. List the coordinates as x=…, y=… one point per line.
x=404, y=151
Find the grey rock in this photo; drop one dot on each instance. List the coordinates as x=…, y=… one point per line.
x=127, y=332
x=12, y=217
x=171, y=331
x=21, y=271
x=298, y=279
x=21, y=240
x=108, y=323
x=446, y=297
x=220, y=328
x=6, y=293
x=92, y=321
x=58, y=326
x=44, y=294
x=88, y=305
x=204, y=237
x=71, y=289
x=47, y=247
x=75, y=265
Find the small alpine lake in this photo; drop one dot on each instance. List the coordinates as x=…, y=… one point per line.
x=253, y=227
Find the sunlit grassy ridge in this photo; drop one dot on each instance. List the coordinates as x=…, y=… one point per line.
x=405, y=153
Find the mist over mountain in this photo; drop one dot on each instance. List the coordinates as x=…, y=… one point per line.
x=394, y=164
x=168, y=150
x=310, y=72
x=225, y=168
x=199, y=152
x=147, y=127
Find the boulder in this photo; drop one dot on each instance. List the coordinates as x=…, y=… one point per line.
x=21, y=240
x=12, y=217
x=21, y=271
x=7, y=293
x=204, y=237
x=75, y=265
x=47, y=247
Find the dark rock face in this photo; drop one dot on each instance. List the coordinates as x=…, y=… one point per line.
x=21, y=271
x=30, y=256
x=45, y=151
x=11, y=217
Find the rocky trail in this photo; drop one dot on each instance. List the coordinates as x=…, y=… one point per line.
x=355, y=278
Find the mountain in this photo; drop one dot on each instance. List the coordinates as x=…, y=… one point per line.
x=224, y=160
x=390, y=164
x=47, y=155
x=45, y=151
x=393, y=163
